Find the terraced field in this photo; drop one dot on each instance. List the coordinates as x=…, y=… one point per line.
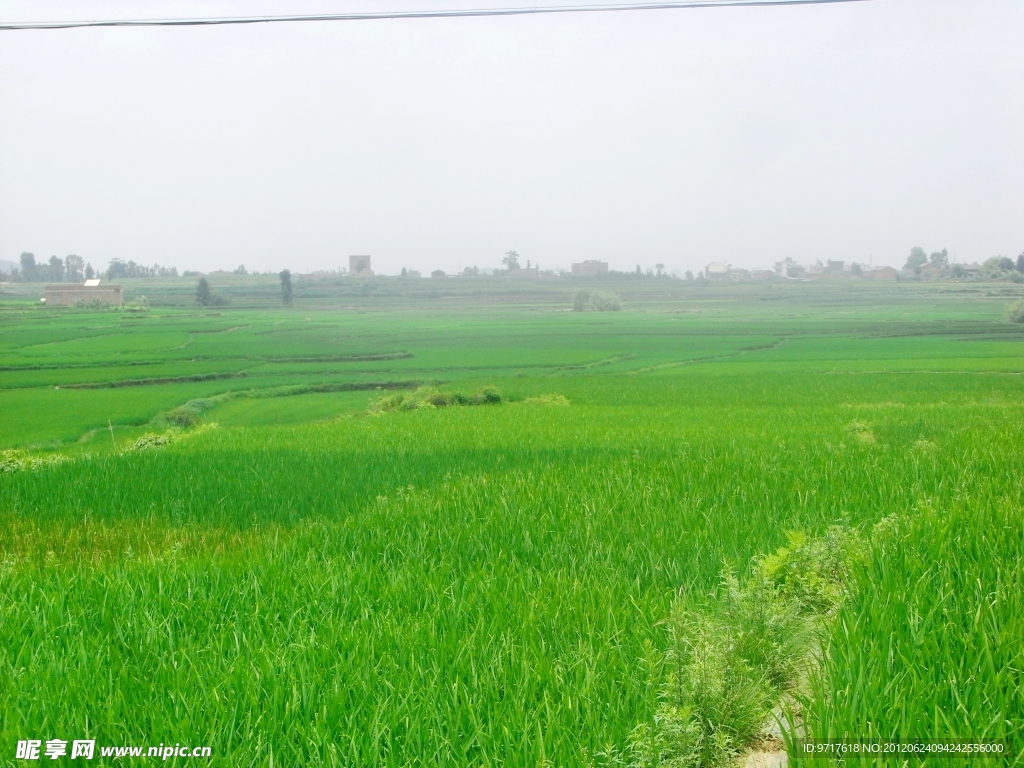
x=217, y=531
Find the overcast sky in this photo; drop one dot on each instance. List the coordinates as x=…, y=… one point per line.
x=681, y=137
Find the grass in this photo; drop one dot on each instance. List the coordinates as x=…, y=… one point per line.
x=299, y=582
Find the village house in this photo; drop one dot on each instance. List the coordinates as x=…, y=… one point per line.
x=359, y=266
x=590, y=268
x=69, y=294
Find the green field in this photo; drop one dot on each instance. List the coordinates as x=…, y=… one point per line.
x=297, y=579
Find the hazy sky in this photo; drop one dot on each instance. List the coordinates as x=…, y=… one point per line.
x=744, y=135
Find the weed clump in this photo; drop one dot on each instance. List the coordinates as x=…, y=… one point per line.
x=732, y=656
x=552, y=399
x=140, y=304
x=92, y=304
x=861, y=432
x=428, y=397
x=150, y=440
x=21, y=461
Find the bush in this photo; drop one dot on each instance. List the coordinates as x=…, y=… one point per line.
x=1016, y=312
x=20, y=461
x=580, y=298
x=150, y=440
x=140, y=304
x=599, y=301
x=605, y=302
x=428, y=397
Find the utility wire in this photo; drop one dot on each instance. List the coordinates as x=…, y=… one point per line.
x=438, y=14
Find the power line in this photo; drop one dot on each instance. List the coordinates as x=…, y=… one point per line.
x=438, y=14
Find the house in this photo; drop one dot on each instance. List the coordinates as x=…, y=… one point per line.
x=717, y=270
x=69, y=294
x=590, y=268
x=882, y=273
x=437, y=273
x=789, y=268
x=929, y=271
x=520, y=273
x=762, y=274
x=834, y=267
x=359, y=266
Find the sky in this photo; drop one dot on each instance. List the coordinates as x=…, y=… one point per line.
x=678, y=137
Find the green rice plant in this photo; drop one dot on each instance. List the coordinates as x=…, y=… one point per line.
x=930, y=647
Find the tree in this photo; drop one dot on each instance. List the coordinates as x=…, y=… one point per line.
x=917, y=259
x=286, y=287
x=74, y=266
x=605, y=302
x=405, y=272
x=1020, y=263
x=660, y=268
x=856, y=269
x=28, y=266
x=511, y=260
x=638, y=270
x=940, y=259
x=689, y=275
x=203, y=292
x=57, y=269
x=580, y=299
x=89, y=272
x=240, y=270
x=998, y=264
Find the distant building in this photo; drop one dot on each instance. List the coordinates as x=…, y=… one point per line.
x=930, y=271
x=437, y=273
x=716, y=270
x=590, y=268
x=762, y=274
x=786, y=266
x=883, y=273
x=834, y=267
x=69, y=294
x=359, y=266
x=522, y=272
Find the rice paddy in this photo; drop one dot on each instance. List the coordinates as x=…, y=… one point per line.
x=213, y=533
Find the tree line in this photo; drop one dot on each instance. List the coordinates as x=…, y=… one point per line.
x=73, y=269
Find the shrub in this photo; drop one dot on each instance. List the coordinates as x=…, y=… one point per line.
x=428, y=397
x=580, y=298
x=605, y=302
x=150, y=440
x=140, y=304
x=1016, y=312
x=20, y=461
x=94, y=303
